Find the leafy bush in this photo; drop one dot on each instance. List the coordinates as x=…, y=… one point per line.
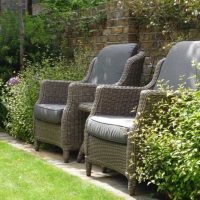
x=2, y=107
x=170, y=145
x=9, y=42
x=19, y=99
x=174, y=19
x=166, y=13
x=61, y=15
x=42, y=36
x=64, y=5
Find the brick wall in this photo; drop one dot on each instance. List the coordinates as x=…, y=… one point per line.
x=121, y=27
x=113, y=23
x=12, y=4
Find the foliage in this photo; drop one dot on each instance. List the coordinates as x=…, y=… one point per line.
x=173, y=18
x=9, y=42
x=169, y=140
x=44, y=33
x=9, y=51
x=63, y=5
x=24, y=176
x=19, y=99
x=165, y=13
x=42, y=36
x=64, y=13
x=3, y=111
x=86, y=24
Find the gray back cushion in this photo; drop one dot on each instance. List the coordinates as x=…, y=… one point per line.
x=110, y=63
x=178, y=63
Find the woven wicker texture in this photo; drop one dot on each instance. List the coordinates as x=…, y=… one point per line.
x=47, y=132
x=114, y=157
x=119, y=101
x=69, y=134
x=85, y=106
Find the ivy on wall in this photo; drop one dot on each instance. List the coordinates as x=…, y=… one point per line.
x=173, y=18
x=162, y=14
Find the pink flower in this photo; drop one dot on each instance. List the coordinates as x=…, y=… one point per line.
x=13, y=81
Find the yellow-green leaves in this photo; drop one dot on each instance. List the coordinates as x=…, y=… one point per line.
x=170, y=145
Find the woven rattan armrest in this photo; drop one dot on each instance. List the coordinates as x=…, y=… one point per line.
x=77, y=93
x=73, y=120
x=148, y=98
x=132, y=71
x=81, y=92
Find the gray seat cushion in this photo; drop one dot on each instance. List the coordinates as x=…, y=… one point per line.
x=110, y=63
x=51, y=113
x=178, y=63
x=111, y=128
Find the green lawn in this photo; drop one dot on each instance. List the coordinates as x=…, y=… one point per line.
x=25, y=177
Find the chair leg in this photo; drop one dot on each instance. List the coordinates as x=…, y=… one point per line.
x=132, y=187
x=66, y=154
x=37, y=145
x=81, y=155
x=88, y=168
x=105, y=170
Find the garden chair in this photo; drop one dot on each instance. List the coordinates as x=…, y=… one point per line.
x=111, y=121
x=57, y=118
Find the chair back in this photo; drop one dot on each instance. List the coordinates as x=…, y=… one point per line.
x=110, y=63
x=177, y=68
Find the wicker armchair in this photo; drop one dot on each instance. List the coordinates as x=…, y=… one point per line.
x=57, y=119
x=106, y=141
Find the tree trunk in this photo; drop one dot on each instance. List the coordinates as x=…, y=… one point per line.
x=29, y=7
x=21, y=34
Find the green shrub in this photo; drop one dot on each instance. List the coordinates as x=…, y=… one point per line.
x=63, y=5
x=170, y=145
x=3, y=110
x=173, y=19
x=9, y=42
x=19, y=99
x=43, y=35
x=166, y=13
